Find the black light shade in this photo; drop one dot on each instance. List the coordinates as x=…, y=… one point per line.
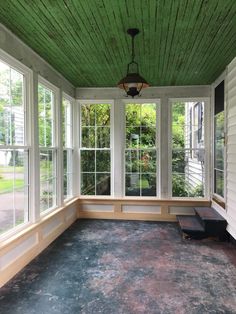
x=133, y=83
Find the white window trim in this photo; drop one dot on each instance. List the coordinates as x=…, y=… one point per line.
x=28, y=137
x=80, y=103
x=222, y=77
x=207, y=136
x=156, y=101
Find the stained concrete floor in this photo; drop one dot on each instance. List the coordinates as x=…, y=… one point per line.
x=114, y=267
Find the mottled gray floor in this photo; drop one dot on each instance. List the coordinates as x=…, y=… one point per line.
x=116, y=267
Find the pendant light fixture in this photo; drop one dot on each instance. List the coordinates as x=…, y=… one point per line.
x=133, y=83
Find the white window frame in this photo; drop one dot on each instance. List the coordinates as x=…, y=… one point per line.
x=207, y=136
x=56, y=144
x=218, y=197
x=71, y=149
x=97, y=102
x=28, y=137
x=158, y=144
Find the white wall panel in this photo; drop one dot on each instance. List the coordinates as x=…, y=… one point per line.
x=231, y=147
x=18, y=251
x=52, y=225
x=141, y=209
x=97, y=207
x=181, y=210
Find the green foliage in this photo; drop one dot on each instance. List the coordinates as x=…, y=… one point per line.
x=95, y=120
x=198, y=190
x=178, y=186
x=140, y=126
x=11, y=96
x=45, y=103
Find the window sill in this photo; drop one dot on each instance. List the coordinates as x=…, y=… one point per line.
x=18, y=233
x=141, y=198
x=219, y=201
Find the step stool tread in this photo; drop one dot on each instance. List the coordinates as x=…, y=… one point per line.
x=208, y=213
x=190, y=223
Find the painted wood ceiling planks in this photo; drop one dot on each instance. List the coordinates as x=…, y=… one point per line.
x=182, y=42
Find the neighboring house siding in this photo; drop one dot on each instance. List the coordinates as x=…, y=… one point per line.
x=194, y=174
x=231, y=147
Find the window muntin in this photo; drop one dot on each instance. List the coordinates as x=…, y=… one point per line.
x=95, y=152
x=67, y=143
x=188, y=149
x=14, y=152
x=47, y=148
x=141, y=151
x=219, y=142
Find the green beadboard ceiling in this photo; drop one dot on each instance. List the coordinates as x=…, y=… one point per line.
x=182, y=42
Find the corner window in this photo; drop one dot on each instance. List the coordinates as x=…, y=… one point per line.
x=219, y=121
x=188, y=149
x=141, y=150
x=95, y=152
x=14, y=149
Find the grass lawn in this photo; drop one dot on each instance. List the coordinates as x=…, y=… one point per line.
x=6, y=186
x=10, y=169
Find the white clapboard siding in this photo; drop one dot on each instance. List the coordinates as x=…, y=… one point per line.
x=231, y=146
x=232, y=139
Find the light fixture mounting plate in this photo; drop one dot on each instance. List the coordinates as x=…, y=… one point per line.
x=133, y=31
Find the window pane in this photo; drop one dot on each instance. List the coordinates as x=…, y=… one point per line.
x=148, y=185
x=88, y=184
x=103, y=161
x=47, y=194
x=67, y=142
x=148, y=137
x=103, y=137
x=188, y=150
x=95, y=154
x=103, y=114
x=103, y=184
x=45, y=112
x=219, y=182
x=47, y=179
x=219, y=141
x=133, y=137
x=132, y=186
x=87, y=161
x=187, y=185
x=133, y=114
x=187, y=174
x=13, y=188
x=219, y=155
x=178, y=126
x=14, y=183
x=88, y=115
x=88, y=137
x=148, y=114
x=66, y=123
x=11, y=106
x=148, y=161
x=140, y=133
x=219, y=121
x=132, y=160
x=68, y=175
